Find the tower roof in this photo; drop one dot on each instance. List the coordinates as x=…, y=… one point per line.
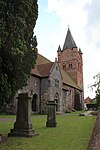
x=59, y=48
x=69, y=41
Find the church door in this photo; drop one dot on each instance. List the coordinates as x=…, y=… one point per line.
x=77, y=104
x=34, y=102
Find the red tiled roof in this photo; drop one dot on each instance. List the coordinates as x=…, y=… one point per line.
x=88, y=100
x=42, y=70
x=35, y=71
x=42, y=67
x=42, y=60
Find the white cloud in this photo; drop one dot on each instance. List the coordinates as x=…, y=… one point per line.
x=70, y=12
x=84, y=21
x=93, y=22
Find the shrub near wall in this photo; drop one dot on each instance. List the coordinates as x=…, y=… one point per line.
x=91, y=106
x=94, y=143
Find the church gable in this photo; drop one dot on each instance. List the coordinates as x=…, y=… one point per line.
x=55, y=75
x=55, y=69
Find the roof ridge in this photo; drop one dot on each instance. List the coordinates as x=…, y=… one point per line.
x=44, y=64
x=41, y=59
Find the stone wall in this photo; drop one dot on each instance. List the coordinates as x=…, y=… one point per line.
x=68, y=99
x=94, y=143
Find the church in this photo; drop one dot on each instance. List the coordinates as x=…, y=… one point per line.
x=60, y=81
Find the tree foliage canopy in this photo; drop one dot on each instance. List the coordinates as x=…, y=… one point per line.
x=96, y=85
x=18, y=50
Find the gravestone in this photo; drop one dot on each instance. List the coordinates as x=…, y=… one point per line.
x=23, y=125
x=51, y=116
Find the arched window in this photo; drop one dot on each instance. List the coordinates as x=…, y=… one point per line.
x=56, y=98
x=35, y=81
x=57, y=68
x=64, y=66
x=70, y=65
x=56, y=83
x=34, y=102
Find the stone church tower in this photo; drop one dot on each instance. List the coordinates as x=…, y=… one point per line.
x=70, y=59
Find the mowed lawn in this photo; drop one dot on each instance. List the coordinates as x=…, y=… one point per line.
x=72, y=133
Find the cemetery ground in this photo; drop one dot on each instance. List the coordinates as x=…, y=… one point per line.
x=72, y=133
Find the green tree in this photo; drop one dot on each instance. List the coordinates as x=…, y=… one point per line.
x=96, y=86
x=18, y=50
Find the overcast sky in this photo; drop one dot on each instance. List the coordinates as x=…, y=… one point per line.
x=83, y=18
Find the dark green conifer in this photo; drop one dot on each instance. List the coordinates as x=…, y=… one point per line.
x=18, y=50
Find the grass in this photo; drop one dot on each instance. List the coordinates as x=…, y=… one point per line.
x=78, y=112
x=71, y=133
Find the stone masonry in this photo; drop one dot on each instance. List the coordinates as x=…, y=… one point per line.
x=94, y=143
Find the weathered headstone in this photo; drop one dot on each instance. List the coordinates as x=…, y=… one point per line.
x=23, y=125
x=51, y=116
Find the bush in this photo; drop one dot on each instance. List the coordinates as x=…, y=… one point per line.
x=91, y=106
